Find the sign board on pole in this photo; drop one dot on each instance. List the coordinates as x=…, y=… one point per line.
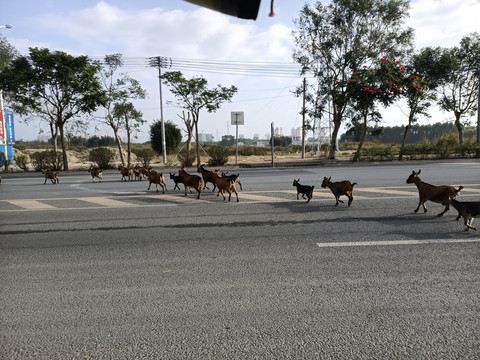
x=238, y=118
x=2, y=134
x=9, y=127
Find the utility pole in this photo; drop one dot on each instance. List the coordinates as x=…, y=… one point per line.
x=478, y=111
x=303, y=116
x=158, y=62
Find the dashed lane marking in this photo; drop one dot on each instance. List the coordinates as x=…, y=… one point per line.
x=395, y=242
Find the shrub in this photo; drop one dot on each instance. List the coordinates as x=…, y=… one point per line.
x=47, y=160
x=146, y=154
x=468, y=150
x=218, y=156
x=22, y=161
x=186, y=159
x=102, y=156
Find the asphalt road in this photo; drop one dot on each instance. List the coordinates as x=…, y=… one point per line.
x=114, y=271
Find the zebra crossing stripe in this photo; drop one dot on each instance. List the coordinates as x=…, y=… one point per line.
x=106, y=201
x=31, y=204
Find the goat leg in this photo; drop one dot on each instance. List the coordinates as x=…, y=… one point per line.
x=444, y=211
x=350, y=199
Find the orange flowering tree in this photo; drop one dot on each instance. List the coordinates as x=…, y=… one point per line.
x=381, y=84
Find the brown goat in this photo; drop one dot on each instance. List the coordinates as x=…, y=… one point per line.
x=427, y=192
x=126, y=172
x=52, y=175
x=235, y=177
x=225, y=184
x=207, y=176
x=190, y=180
x=96, y=173
x=157, y=179
x=340, y=188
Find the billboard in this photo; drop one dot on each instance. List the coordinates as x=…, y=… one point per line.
x=9, y=127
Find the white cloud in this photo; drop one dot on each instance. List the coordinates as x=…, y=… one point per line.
x=199, y=34
x=443, y=22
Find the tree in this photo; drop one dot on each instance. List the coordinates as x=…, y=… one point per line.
x=460, y=93
x=370, y=86
x=54, y=85
x=125, y=113
x=333, y=40
x=194, y=96
x=173, y=136
x=427, y=71
x=7, y=52
x=119, y=89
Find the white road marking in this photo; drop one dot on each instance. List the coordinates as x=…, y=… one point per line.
x=395, y=242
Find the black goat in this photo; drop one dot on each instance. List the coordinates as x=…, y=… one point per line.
x=303, y=189
x=177, y=179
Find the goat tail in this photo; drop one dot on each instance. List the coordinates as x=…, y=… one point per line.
x=459, y=188
x=354, y=184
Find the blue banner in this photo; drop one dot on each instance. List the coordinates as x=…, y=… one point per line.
x=10, y=128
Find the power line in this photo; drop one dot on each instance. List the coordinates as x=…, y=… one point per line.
x=241, y=68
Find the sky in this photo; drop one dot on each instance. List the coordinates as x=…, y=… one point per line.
x=185, y=32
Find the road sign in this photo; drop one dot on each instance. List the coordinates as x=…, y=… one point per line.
x=238, y=118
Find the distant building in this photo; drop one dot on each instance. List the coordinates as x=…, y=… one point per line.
x=43, y=138
x=205, y=138
x=278, y=132
x=296, y=134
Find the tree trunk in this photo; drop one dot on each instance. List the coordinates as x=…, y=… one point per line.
x=337, y=121
x=404, y=140
x=119, y=144
x=189, y=142
x=356, y=157
x=459, y=126
x=129, y=154
x=197, y=143
x=64, y=148
x=405, y=134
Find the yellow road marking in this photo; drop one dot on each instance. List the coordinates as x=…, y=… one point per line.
x=31, y=204
x=106, y=201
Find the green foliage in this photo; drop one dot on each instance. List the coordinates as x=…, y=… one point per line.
x=377, y=153
x=54, y=85
x=102, y=156
x=47, y=160
x=448, y=140
x=22, y=161
x=173, y=136
x=218, y=155
x=281, y=141
x=20, y=145
x=100, y=141
x=145, y=153
x=247, y=150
